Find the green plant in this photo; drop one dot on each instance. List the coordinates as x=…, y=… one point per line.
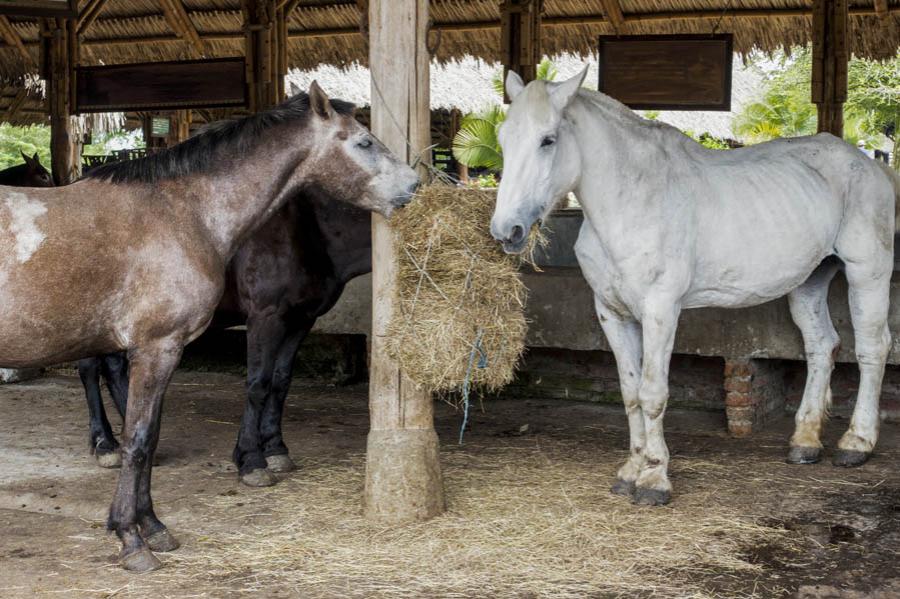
x=476, y=144
x=545, y=71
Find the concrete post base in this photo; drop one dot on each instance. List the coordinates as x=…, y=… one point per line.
x=403, y=476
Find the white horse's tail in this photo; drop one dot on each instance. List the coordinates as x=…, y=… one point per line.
x=895, y=181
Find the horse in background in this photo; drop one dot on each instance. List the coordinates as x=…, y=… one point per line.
x=292, y=270
x=29, y=174
x=670, y=225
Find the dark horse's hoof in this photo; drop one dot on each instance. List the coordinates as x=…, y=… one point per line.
x=804, y=455
x=140, y=561
x=623, y=487
x=112, y=459
x=280, y=463
x=848, y=458
x=259, y=477
x=644, y=496
x=162, y=541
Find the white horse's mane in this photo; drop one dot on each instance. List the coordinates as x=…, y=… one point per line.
x=613, y=109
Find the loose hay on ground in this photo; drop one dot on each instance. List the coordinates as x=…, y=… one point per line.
x=460, y=297
x=522, y=521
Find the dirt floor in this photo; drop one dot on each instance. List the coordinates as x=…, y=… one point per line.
x=528, y=515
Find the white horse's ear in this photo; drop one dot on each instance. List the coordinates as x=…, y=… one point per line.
x=563, y=93
x=318, y=101
x=514, y=85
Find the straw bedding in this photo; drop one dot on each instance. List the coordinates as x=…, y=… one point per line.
x=460, y=300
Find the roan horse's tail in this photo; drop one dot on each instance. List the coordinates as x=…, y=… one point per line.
x=894, y=178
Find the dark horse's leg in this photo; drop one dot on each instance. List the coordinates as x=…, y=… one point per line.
x=114, y=368
x=103, y=443
x=131, y=515
x=265, y=336
x=274, y=449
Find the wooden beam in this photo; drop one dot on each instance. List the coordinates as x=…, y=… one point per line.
x=59, y=56
x=89, y=14
x=181, y=24
x=403, y=475
x=260, y=52
x=15, y=105
x=520, y=37
x=830, y=57
x=613, y=12
x=881, y=9
x=11, y=37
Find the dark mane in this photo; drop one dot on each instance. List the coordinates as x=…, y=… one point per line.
x=201, y=153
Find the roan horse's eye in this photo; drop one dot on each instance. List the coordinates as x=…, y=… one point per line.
x=548, y=140
x=365, y=142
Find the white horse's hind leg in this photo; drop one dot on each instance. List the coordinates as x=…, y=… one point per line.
x=624, y=338
x=809, y=309
x=869, y=299
x=658, y=322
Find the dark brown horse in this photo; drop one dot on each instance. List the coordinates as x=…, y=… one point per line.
x=133, y=259
x=29, y=174
x=291, y=271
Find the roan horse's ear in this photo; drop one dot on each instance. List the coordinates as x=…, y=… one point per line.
x=562, y=93
x=293, y=89
x=318, y=101
x=514, y=85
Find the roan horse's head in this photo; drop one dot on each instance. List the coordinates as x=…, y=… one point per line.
x=35, y=173
x=541, y=160
x=347, y=158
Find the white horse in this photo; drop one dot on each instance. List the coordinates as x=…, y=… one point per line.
x=670, y=225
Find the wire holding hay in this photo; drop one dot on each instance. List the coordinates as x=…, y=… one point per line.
x=456, y=288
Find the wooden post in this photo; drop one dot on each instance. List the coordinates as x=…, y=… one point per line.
x=829, y=65
x=403, y=475
x=456, y=116
x=520, y=37
x=179, y=127
x=260, y=53
x=59, y=56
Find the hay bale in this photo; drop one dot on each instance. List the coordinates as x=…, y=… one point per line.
x=460, y=311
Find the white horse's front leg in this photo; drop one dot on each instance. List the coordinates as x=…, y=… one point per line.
x=659, y=322
x=624, y=338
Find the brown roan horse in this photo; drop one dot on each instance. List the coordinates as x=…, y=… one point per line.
x=134, y=259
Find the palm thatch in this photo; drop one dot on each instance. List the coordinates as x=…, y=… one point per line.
x=329, y=31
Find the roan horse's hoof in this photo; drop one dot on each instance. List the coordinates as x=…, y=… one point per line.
x=112, y=459
x=804, y=455
x=258, y=478
x=623, y=487
x=644, y=496
x=162, y=541
x=139, y=561
x=849, y=458
x=280, y=463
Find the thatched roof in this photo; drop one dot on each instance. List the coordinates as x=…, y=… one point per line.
x=328, y=31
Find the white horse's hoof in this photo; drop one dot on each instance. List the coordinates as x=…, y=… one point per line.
x=643, y=496
x=623, y=487
x=804, y=455
x=849, y=458
x=280, y=463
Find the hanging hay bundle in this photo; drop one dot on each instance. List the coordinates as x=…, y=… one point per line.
x=460, y=315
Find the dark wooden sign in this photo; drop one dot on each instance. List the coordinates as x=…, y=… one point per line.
x=40, y=8
x=667, y=72
x=211, y=83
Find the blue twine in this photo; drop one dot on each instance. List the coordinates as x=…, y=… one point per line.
x=482, y=363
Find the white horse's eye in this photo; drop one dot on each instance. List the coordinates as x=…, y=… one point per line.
x=365, y=143
x=549, y=140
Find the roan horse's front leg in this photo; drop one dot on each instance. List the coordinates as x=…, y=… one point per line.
x=624, y=338
x=131, y=515
x=659, y=321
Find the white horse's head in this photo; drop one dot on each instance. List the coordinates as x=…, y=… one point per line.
x=541, y=160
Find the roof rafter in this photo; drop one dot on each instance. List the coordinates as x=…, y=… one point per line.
x=881, y=8
x=15, y=104
x=613, y=11
x=180, y=22
x=11, y=37
x=89, y=15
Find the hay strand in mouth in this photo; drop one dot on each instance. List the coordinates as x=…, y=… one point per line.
x=458, y=294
